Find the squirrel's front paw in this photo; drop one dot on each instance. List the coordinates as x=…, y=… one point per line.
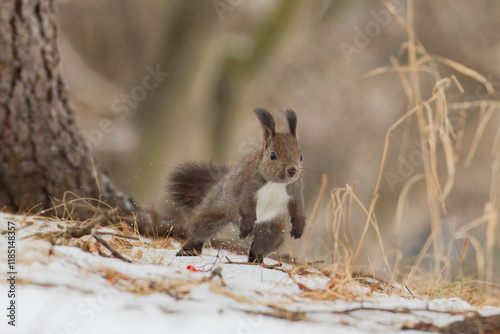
x=245, y=232
x=246, y=226
x=298, y=225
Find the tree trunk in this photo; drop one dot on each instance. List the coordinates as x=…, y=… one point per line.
x=43, y=157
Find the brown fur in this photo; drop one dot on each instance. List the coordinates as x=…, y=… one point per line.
x=215, y=196
x=190, y=181
x=268, y=237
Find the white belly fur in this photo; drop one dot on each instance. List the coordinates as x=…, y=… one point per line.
x=272, y=199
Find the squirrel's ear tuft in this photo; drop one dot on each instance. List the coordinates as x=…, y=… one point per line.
x=268, y=125
x=292, y=121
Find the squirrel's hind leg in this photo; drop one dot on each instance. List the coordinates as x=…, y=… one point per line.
x=203, y=226
x=191, y=248
x=268, y=237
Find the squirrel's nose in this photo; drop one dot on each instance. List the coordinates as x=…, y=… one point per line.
x=291, y=171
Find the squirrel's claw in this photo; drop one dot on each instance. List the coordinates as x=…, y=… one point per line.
x=297, y=227
x=295, y=234
x=246, y=225
x=245, y=232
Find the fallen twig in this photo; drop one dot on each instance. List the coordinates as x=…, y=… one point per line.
x=281, y=313
x=217, y=272
x=405, y=310
x=88, y=228
x=77, y=230
x=267, y=266
x=111, y=249
x=302, y=287
x=476, y=324
x=117, y=235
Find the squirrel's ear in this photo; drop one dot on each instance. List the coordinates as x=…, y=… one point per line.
x=268, y=125
x=292, y=121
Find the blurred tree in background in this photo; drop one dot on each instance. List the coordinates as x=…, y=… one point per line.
x=44, y=160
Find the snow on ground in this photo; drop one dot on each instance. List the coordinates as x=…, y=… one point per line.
x=64, y=289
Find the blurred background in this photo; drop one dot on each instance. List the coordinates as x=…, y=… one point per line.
x=158, y=82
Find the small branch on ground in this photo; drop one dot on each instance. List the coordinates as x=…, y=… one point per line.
x=302, y=287
x=267, y=266
x=117, y=235
x=217, y=272
x=404, y=310
x=212, y=266
x=476, y=324
x=111, y=249
x=77, y=230
x=281, y=313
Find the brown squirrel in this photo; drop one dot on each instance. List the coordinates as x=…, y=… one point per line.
x=262, y=193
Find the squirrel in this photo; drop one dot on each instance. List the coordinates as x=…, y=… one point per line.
x=262, y=193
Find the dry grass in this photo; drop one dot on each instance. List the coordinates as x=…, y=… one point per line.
x=441, y=147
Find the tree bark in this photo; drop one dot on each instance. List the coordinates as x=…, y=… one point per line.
x=43, y=157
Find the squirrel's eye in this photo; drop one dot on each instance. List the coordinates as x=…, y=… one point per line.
x=301, y=157
x=273, y=156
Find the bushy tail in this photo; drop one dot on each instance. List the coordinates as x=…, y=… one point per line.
x=190, y=181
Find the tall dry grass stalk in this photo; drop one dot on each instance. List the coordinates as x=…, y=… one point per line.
x=441, y=147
